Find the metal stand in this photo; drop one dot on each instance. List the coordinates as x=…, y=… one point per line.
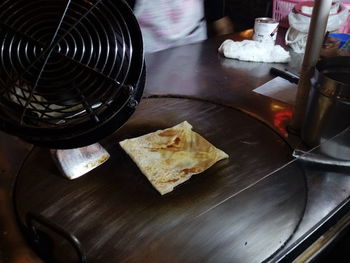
x=74, y=163
x=315, y=38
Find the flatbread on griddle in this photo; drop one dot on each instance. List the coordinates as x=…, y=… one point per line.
x=170, y=157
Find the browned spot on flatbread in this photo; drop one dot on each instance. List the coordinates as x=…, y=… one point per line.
x=168, y=133
x=169, y=181
x=175, y=144
x=189, y=170
x=177, y=140
x=153, y=149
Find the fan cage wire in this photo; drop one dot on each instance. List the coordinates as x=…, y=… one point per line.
x=93, y=110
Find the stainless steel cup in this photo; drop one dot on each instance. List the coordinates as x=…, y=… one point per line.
x=328, y=109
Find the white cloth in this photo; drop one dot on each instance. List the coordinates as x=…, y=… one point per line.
x=249, y=50
x=170, y=23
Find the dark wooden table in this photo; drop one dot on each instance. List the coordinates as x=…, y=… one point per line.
x=301, y=202
x=232, y=82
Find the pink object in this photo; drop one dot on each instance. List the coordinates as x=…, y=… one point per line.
x=298, y=7
x=281, y=9
x=346, y=27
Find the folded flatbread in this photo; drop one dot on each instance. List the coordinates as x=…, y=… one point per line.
x=170, y=157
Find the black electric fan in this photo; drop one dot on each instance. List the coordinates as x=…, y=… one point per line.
x=72, y=71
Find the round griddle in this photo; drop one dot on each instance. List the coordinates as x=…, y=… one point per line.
x=239, y=210
x=72, y=71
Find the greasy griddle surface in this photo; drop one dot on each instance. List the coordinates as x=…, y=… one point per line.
x=233, y=212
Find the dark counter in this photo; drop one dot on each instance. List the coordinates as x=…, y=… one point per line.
x=199, y=71
x=299, y=202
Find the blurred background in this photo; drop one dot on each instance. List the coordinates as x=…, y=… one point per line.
x=243, y=13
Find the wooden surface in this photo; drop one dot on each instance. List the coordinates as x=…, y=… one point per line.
x=197, y=71
x=13, y=247
x=233, y=212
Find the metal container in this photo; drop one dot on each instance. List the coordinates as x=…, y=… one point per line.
x=265, y=29
x=328, y=109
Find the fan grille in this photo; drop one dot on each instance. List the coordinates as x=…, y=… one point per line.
x=68, y=67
